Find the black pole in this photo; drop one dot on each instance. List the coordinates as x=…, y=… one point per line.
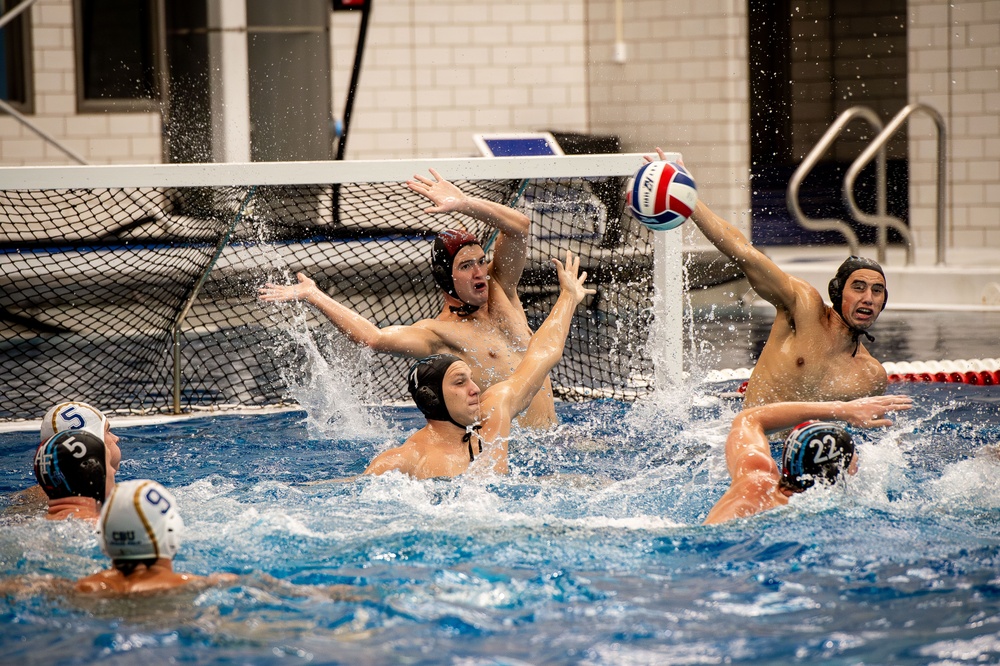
x=355, y=76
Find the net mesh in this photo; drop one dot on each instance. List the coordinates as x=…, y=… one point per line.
x=101, y=286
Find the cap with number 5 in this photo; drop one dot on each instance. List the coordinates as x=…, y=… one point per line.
x=73, y=416
x=72, y=464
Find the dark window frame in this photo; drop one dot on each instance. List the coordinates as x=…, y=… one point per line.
x=119, y=104
x=26, y=105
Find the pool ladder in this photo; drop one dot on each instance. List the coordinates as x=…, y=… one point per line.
x=876, y=149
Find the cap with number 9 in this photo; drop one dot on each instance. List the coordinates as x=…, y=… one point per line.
x=140, y=522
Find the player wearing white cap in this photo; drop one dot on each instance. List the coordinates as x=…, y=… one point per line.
x=140, y=530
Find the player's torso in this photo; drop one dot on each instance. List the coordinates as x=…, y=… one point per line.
x=813, y=364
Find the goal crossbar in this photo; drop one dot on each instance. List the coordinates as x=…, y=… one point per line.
x=315, y=173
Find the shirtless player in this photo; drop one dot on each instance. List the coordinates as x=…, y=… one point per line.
x=482, y=320
x=465, y=428
x=814, y=352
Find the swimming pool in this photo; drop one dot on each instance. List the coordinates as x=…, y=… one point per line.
x=589, y=552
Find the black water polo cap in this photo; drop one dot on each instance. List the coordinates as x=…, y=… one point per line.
x=839, y=281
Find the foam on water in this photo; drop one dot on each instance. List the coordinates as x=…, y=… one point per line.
x=591, y=551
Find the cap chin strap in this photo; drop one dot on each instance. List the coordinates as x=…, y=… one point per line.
x=856, y=334
x=467, y=438
x=463, y=310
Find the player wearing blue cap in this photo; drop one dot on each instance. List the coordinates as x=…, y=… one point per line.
x=482, y=320
x=814, y=352
x=814, y=452
x=466, y=427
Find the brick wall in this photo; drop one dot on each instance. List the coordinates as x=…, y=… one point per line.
x=858, y=58
x=683, y=87
x=436, y=72
x=954, y=66
x=100, y=138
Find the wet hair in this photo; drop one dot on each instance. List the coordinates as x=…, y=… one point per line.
x=426, y=386
x=815, y=451
x=836, y=291
x=446, y=246
x=72, y=463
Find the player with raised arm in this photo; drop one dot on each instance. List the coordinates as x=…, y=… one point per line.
x=468, y=429
x=482, y=320
x=814, y=352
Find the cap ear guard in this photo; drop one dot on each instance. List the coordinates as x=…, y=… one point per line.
x=426, y=398
x=443, y=279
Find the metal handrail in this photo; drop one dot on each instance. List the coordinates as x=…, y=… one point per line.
x=881, y=219
x=14, y=13
x=792, y=197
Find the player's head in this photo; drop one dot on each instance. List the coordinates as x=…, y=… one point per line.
x=73, y=463
x=855, y=276
x=815, y=451
x=432, y=391
x=73, y=416
x=458, y=266
x=140, y=522
x=81, y=417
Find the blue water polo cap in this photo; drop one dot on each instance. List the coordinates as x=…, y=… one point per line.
x=813, y=451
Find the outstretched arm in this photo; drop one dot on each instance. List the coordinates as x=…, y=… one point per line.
x=773, y=284
x=546, y=345
x=863, y=412
x=748, y=454
x=510, y=251
x=412, y=341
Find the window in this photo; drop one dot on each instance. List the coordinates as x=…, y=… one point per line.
x=117, y=54
x=15, y=59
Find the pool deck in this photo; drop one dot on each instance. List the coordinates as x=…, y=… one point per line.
x=970, y=280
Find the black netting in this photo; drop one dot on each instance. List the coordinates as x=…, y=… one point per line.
x=96, y=281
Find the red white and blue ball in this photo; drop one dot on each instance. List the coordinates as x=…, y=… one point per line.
x=662, y=195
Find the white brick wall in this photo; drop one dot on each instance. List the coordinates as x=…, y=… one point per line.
x=954, y=66
x=471, y=66
x=436, y=72
x=678, y=90
x=100, y=138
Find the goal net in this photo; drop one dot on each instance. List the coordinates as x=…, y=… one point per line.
x=135, y=288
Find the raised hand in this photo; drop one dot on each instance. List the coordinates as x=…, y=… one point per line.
x=569, y=281
x=870, y=412
x=445, y=196
x=279, y=293
x=660, y=155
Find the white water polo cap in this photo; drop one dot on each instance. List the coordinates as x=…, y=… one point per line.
x=73, y=416
x=140, y=522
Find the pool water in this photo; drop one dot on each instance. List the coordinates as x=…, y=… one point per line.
x=590, y=552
